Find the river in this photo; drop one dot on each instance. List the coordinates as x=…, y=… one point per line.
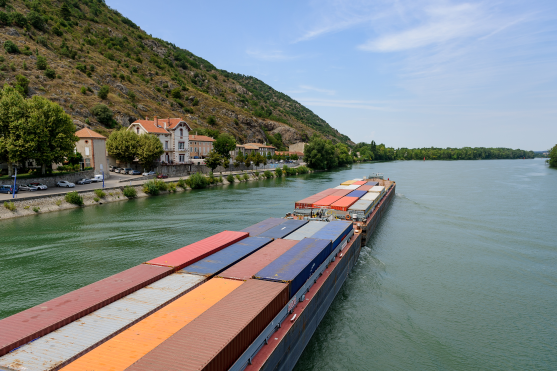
x=461, y=273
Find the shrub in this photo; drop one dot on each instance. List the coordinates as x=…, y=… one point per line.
x=96, y=199
x=181, y=183
x=22, y=84
x=195, y=102
x=36, y=209
x=81, y=68
x=18, y=19
x=103, y=92
x=176, y=93
x=9, y=205
x=58, y=202
x=278, y=171
x=198, y=181
x=83, y=90
x=172, y=187
x=36, y=20
x=50, y=73
x=41, y=40
x=239, y=177
x=11, y=47
x=256, y=174
x=150, y=187
x=211, y=120
x=99, y=193
x=268, y=174
x=246, y=177
x=212, y=179
x=41, y=62
x=103, y=114
x=74, y=198
x=220, y=179
x=130, y=192
x=303, y=169
x=161, y=184
x=56, y=30
x=230, y=178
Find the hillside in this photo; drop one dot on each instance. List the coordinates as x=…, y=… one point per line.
x=88, y=45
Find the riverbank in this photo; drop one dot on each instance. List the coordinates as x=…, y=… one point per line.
x=40, y=204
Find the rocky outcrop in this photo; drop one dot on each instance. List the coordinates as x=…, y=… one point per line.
x=155, y=46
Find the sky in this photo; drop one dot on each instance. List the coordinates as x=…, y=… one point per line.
x=407, y=73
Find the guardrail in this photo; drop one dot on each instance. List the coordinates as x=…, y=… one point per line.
x=263, y=338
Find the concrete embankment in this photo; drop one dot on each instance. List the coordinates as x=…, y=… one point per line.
x=38, y=204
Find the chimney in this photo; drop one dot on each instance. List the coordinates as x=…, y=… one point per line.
x=156, y=121
x=165, y=125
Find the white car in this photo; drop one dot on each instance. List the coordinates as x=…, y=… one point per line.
x=28, y=187
x=148, y=173
x=64, y=183
x=40, y=186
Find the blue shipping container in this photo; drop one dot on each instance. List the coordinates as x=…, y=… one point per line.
x=297, y=265
x=356, y=194
x=227, y=257
x=284, y=229
x=373, y=184
x=334, y=231
x=263, y=226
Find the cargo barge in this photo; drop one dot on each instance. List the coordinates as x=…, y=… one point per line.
x=238, y=300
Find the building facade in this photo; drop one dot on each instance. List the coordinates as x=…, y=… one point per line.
x=200, y=145
x=173, y=134
x=262, y=149
x=297, y=147
x=92, y=147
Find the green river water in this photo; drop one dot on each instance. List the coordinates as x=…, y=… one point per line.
x=461, y=273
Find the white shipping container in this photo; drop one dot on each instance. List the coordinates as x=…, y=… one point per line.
x=378, y=189
x=85, y=333
x=342, y=187
x=370, y=196
x=353, y=187
x=308, y=230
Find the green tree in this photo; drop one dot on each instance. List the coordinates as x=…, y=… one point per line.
x=22, y=84
x=294, y=157
x=149, y=148
x=344, y=157
x=320, y=154
x=103, y=114
x=75, y=158
x=103, y=92
x=11, y=47
x=248, y=159
x=553, y=157
x=239, y=159
x=213, y=159
x=36, y=20
x=122, y=145
x=176, y=93
x=65, y=12
x=224, y=144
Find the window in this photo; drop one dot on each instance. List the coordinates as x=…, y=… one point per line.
x=87, y=162
x=86, y=151
x=181, y=132
x=137, y=129
x=181, y=145
x=166, y=145
x=182, y=158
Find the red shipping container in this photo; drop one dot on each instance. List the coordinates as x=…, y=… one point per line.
x=42, y=319
x=344, y=203
x=219, y=336
x=365, y=188
x=360, y=182
x=308, y=201
x=341, y=192
x=246, y=268
x=326, y=202
x=189, y=254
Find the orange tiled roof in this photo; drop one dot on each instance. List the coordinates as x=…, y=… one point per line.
x=259, y=145
x=88, y=133
x=172, y=122
x=201, y=138
x=151, y=128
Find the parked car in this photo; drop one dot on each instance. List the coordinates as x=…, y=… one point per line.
x=8, y=189
x=148, y=173
x=111, y=168
x=117, y=169
x=127, y=170
x=65, y=184
x=83, y=181
x=162, y=176
x=135, y=172
x=96, y=178
x=29, y=187
x=41, y=186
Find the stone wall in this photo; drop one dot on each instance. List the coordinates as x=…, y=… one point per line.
x=183, y=170
x=51, y=181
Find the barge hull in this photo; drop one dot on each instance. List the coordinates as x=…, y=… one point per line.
x=285, y=346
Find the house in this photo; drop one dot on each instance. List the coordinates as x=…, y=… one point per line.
x=200, y=145
x=173, y=134
x=92, y=147
x=240, y=148
x=262, y=149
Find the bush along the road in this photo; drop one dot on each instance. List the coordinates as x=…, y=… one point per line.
x=74, y=198
x=230, y=178
x=130, y=192
x=198, y=181
x=100, y=193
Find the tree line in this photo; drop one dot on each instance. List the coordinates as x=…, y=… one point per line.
x=553, y=157
x=322, y=154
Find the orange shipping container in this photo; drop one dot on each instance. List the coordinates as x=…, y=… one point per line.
x=360, y=182
x=344, y=203
x=365, y=188
x=124, y=349
x=326, y=202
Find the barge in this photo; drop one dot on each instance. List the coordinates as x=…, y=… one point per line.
x=238, y=300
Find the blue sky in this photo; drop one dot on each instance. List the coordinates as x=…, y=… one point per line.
x=407, y=73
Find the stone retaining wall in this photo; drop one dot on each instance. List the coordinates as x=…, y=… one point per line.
x=50, y=181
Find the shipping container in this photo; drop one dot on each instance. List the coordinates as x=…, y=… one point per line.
x=123, y=350
x=360, y=182
x=327, y=201
x=362, y=208
x=295, y=266
x=187, y=255
x=341, y=192
x=341, y=187
x=372, y=183
x=67, y=343
x=335, y=231
x=284, y=229
x=38, y=321
x=344, y=203
x=262, y=226
x=228, y=256
x=348, y=182
x=356, y=194
x=246, y=268
x=370, y=196
x=378, y=189
x=307, y=230
x=308, y=201
x=364, y=188
x=353, y=187
x=218, y=337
